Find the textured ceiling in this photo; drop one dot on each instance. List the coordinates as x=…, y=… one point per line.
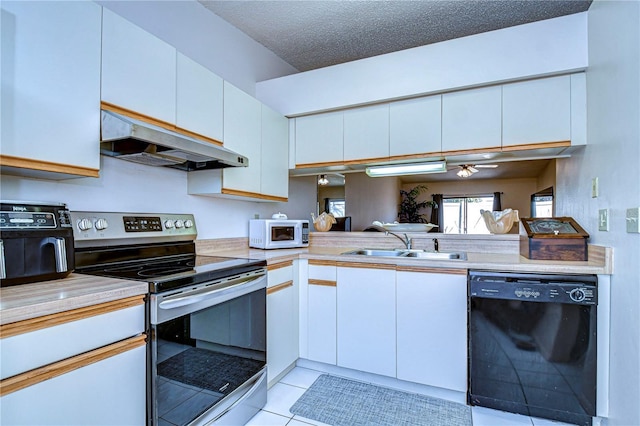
x=316, y=34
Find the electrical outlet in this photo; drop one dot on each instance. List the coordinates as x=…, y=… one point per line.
x=603, y=220
x=594, y=188
x=633, y=220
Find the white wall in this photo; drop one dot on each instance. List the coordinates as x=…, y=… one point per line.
x=204, y=37
x=612, y=155
x=540, y=48
x=129, y=187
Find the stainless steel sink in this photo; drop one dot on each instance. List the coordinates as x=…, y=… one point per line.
x=438, y=255
x=377, y=252
x=419, y=254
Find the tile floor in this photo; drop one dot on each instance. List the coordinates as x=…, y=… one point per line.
x=286, y=392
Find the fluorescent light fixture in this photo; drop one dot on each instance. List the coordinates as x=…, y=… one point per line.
x=407, y=169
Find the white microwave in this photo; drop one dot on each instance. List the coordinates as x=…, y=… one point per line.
x=278, y=233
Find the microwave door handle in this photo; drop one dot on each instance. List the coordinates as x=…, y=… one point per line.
x=3, y=267
x=196, y=298
x=60, y=251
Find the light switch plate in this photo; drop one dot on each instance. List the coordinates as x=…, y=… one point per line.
x=633, y=220
x=594, y=188
x=603, y=220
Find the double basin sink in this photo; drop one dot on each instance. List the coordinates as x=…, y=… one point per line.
x=418, y=254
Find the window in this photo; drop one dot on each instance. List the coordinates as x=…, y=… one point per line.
x=462, y=214
x=336, y=207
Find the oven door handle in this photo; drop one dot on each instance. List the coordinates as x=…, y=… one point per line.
x=197, y=298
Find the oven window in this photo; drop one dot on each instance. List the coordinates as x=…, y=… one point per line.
x=537, y=359
x=283, y=233
x=202, y=357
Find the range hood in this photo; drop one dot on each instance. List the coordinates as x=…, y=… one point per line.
x=134, y=140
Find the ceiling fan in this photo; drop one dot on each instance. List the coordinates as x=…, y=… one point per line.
x=467, y=170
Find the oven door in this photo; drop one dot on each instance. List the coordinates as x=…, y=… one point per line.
x=208, y=352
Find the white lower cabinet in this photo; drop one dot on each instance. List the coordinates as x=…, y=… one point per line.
x=282, y=319
x=366, y=323
x=80, y=367
x=398, y=321
x=108, y=392
x=321, y=313
x=432, y=328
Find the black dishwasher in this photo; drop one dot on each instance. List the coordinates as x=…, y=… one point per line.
x=532, y=344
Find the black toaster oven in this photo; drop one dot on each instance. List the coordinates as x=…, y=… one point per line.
x=36, y=242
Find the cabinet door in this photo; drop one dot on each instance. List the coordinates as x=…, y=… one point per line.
x=319, y=138
x=415, y=126
x=471, y=119
x=282, y=323
x=432, y=329
x=111, y=391
x=242, y=133
x=199, y=99
x=367, y=320
x=321, y=313
x=366, y=133
x=536, y=111
x=138, y=69
x=51, y=86
x=275, y=154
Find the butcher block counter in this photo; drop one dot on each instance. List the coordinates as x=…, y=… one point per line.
x=489, y=252
x=28, y=301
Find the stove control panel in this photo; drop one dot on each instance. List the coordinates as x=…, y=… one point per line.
x=100, y=228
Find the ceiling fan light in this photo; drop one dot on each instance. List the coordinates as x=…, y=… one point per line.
x=464, y=172
x=323, y=180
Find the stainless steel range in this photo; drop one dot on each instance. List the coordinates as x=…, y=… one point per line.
x=206, y=314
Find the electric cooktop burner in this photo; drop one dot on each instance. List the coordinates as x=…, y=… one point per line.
x=165, y=274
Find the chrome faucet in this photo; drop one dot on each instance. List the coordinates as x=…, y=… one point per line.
x=406, y=240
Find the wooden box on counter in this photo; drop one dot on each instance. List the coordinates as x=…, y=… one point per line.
x=552, y=238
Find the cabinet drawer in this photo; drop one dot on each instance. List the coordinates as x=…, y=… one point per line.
x=59, y=336
x=279, y=273
x=322, y=271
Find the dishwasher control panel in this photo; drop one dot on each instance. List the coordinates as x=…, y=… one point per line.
x=572, y=289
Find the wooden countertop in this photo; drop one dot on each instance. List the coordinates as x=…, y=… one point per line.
x=27, y=301
x=600, y=260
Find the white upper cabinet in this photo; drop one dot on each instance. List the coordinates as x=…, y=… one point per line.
x=366, y=133
x=199, y=99
x=242, y=134
x=275, y=154
x=260, y=134
x=50, y=119
x=472, y=119
x=578, y=109
x=415, y=126
x=138, y=69
x=319, y=138
x=536, y=111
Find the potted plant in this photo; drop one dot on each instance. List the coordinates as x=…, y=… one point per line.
x=410, y=207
